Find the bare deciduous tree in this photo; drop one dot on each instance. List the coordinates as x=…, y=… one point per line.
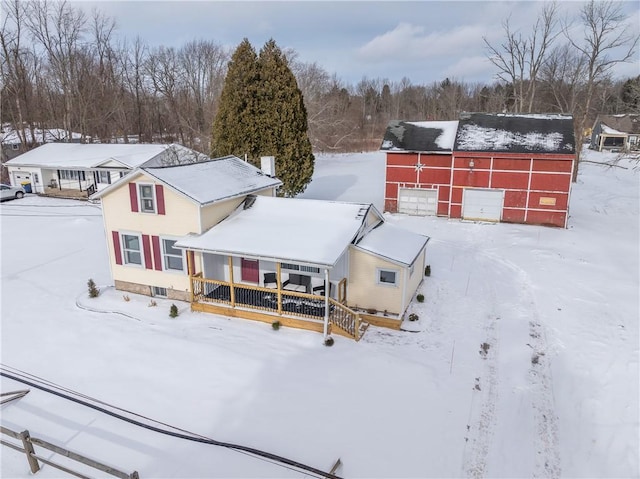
x=519, y=58
x=606, y=41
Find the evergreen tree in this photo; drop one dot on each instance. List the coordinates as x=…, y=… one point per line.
x=235, y=126
x=630, y=95
x=283, y=121
x=262, y=113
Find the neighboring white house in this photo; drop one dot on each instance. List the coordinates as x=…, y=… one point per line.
x=88, y=167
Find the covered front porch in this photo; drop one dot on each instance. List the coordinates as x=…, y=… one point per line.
x=279, y=259
x=297, y=300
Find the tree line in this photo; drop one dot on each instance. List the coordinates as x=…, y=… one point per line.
x=64, y=68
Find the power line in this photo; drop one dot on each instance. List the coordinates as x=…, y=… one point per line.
x=35, y=382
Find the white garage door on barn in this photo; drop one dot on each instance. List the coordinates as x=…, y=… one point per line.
x=415, y=201
x=482, y=204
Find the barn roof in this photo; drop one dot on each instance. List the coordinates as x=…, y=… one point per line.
x=515, y=133
x=423, y=136
x=629, y=123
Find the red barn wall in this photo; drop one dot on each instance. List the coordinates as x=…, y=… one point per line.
x=536, y=186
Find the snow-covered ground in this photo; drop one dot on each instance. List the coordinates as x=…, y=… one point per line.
x=524, y=362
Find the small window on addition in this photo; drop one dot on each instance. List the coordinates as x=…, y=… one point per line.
x=387, y=277
x=160, y=292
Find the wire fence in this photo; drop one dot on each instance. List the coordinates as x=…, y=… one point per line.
x=34, y=459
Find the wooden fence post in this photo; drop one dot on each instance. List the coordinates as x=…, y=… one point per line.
x=28, y=449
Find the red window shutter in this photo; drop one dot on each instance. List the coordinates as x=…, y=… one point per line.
x=160, y=199
x=133, y=196
x=157, y=252
x=116, y=246
x=146, y=246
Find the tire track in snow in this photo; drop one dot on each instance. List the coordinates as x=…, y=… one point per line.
x=481, y=424
x=547, y=462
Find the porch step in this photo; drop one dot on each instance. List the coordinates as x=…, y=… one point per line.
x=363, y=327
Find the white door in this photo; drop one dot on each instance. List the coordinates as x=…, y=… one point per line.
x=414, y=201
x=481, y=204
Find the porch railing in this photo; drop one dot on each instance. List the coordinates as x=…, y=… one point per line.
x=274, y=301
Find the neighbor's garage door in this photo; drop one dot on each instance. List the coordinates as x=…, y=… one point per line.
x=479, y=204
x=413, y=201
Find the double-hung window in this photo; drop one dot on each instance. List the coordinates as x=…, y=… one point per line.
x=147, y=199
x=131, y=249
x=171, y=257
x=295, y=267
x=104, y=177
x=387, y=277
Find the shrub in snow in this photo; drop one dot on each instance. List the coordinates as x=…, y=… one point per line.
x=413, y=317
x=173, y=311
x=420, y=298
x=427, y=270
x=275, y=325
x=328, y=341
x=94, y=292
x=372, y=311
x=126, y=298
x=484, y=349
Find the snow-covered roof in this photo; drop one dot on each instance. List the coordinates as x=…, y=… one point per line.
x=286, y=229
x=423, y=136
x=395, y=244
x=9, y=136
x=610, y=131
x=620, y=124
x=83, y=156
x=213, y=180
x=516, y=133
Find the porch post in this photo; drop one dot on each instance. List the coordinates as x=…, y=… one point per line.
x=326, y=302
x=231, y=290
x=189, y=270
x=279, y=283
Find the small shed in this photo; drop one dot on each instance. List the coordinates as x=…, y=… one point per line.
x=488, y=167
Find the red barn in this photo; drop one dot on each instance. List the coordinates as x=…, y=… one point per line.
x=492, y=167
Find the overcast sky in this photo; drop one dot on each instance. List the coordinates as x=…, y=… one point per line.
x=425, y=41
